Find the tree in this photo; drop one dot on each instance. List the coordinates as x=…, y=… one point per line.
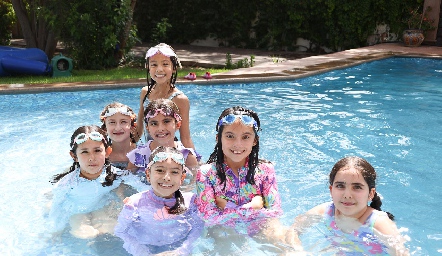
x=98, y=33
x=35, y=21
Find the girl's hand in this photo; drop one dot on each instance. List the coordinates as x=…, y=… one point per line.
x=126, y=200
x=220, y=202
x=256, y=203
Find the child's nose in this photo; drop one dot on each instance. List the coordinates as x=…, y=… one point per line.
x=347, y=193
x=166, y=176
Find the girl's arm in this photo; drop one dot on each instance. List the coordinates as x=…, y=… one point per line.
x=140, y=118
x=387, y=231
x=302, y=222
x=206, y=201
x=272, y=199
x=183, y=105
x=125, y=220
x=197, y=228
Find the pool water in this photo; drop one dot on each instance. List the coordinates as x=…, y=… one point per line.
x=387, y=111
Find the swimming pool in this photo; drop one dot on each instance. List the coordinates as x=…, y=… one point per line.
x=387, y=111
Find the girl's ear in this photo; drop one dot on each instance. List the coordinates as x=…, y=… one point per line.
x=371, y=194
x=108, y=151
x=147, y=175
x=183, y=177
x=178, y=125
x=73, y=156
x=330, y=188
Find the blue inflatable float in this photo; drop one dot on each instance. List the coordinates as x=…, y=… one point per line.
x=23, y=61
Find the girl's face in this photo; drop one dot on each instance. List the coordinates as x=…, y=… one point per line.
x=160, y=68
x=91, y=156
x=350, y=193
x=237, y=142
x=118, y=127
x=162, y=129
x=165, y=177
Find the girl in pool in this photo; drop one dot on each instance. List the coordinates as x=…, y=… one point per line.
x=353, y=225
x=235, y=187
x=162, y=118
x=162, y=64
x=162, y=219
x=119, y=122
x=81, y=194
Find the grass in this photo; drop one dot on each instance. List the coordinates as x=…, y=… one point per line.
x=117, y=74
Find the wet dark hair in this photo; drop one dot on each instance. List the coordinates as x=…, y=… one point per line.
x=180, y=205
x=118, y=105
x=110, y=177
x=151, y=82
x=217, y=155
x=166, y=104
x=368, y=173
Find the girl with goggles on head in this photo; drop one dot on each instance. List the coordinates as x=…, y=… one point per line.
x=162, y=118
x=161, y=219
x=119, y=123
x=162, y=64
x=77, y=197
x=235, y=185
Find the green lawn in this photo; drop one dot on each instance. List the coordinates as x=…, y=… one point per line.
x=117, y=74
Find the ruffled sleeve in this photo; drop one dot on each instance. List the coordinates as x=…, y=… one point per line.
x=269, y=190
x=197, y=225
x=128, y=215
x=140, y=155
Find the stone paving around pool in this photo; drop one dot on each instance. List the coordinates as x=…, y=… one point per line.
x=269, y=66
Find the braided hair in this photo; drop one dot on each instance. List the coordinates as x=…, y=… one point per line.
x=368, y=173
x=179, y=206
x=110, y=176
x=217, y=155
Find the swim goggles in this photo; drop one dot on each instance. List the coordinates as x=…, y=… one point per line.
x=82, y=137
x=164, y=49
x=245, y=119
x=162, y=156
x=163, y=111
x=112, y=111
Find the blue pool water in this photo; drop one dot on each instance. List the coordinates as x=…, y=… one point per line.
x=388, y=111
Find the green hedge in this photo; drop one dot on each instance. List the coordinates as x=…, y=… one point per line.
x=275, y=24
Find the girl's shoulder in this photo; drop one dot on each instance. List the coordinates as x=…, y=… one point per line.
x=207, y=169
x=178, y=95
x=69, y=179
x=382, y=223
x=266, y=166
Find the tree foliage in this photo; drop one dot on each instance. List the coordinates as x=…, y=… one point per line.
x=272, y=24
x=6, y=22
x=95, y=33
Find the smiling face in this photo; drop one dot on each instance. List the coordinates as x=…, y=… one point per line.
x=118, y=127
x=350, y=193
x=165, y=177
x=162, y=129
x=160, y=68
x=237, y=141
x=91, y=156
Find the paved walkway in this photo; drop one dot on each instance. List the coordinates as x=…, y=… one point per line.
x=268, y=66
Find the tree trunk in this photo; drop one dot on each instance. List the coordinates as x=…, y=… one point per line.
x=36, y=31
x=125, y=35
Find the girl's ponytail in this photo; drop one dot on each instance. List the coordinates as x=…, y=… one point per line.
x=110, y=176
x=58, y=177
x=179, y=206
x=376, y=203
